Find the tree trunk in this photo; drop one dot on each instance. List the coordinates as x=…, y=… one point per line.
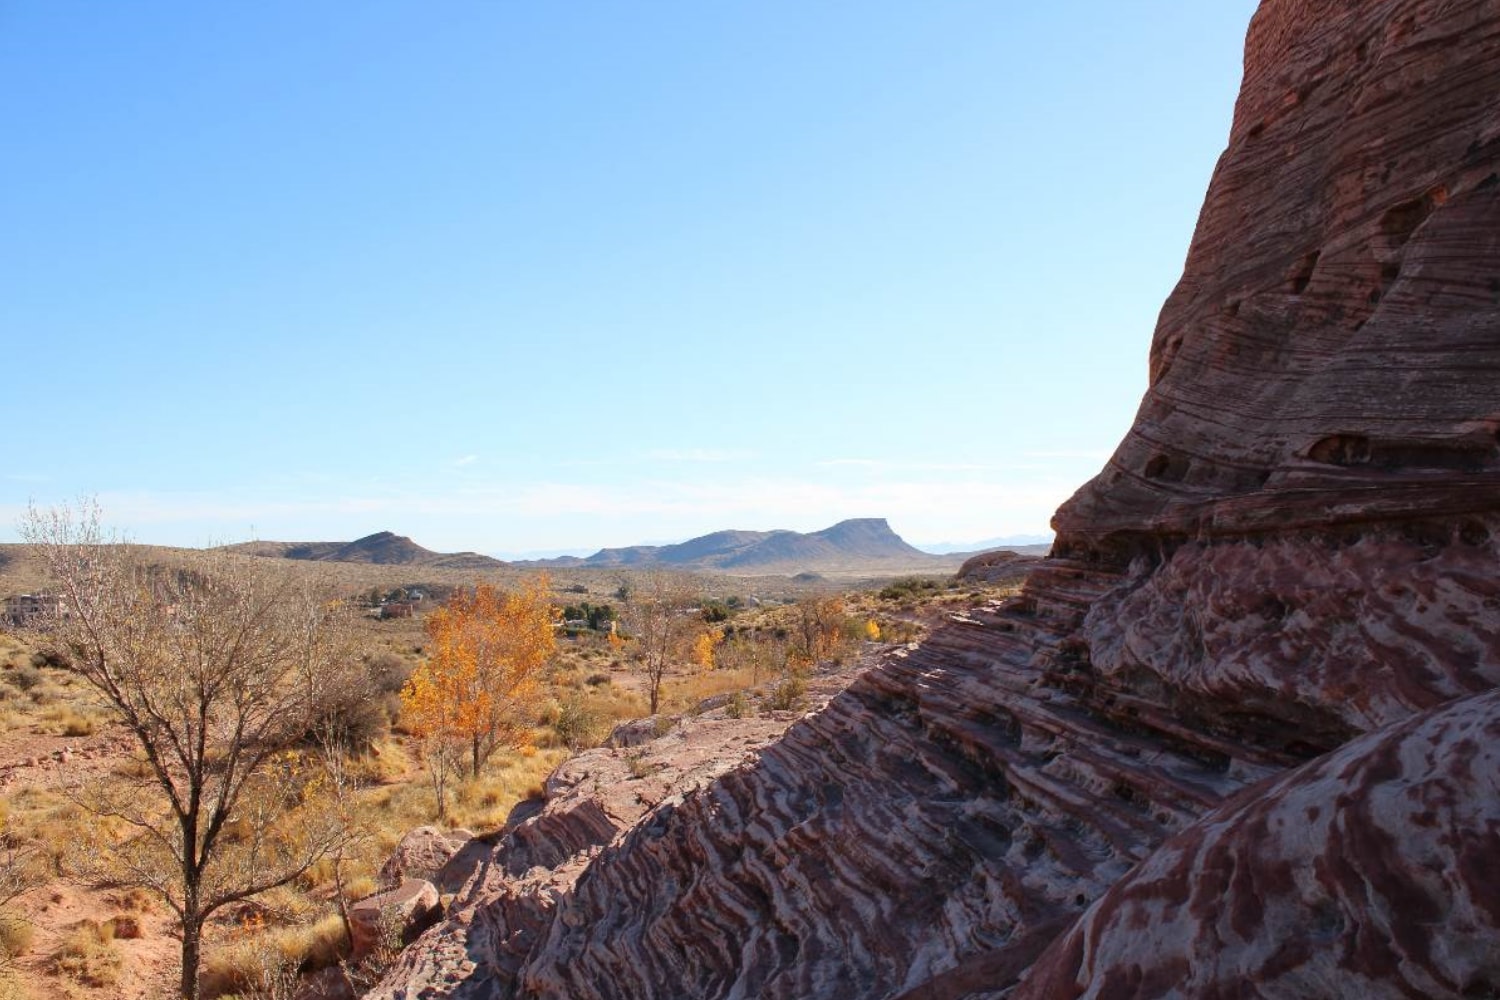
x=192, y=953
x=438, y=766
x=475, y=773
x=339, y=896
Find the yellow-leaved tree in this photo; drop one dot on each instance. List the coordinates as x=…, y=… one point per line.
x=478, y=690
x=703, y=647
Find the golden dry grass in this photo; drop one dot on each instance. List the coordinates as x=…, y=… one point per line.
x=89, y=956
x=16, y=935
x=255, y=959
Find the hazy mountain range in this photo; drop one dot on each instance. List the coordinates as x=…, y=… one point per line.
x=863, y=541
x=857, y=544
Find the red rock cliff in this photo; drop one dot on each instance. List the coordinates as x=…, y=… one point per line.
x=1236, y=738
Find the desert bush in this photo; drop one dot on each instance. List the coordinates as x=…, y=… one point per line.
x=123, y=927
x=577, y=725
x=909, y=588
x=716, y=611
x=786, y=695
x=266, y=963
x=89, y=956
x=738, y=706
x=24, y=677
x=387, y=671
x=637, y=764
x=16, y=935
x=354, y=724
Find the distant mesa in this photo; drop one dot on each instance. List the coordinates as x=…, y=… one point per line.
x=384, y=548
x=858, y=543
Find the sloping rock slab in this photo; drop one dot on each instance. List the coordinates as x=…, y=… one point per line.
x=1373, y=872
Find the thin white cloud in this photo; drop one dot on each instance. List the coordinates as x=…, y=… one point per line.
x=895, y=465
x=1092, y=454
x=466, y=460
x=698, y=455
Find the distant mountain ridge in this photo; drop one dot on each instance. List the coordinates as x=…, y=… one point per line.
x=858, y=544
x=864, y=541
x=383, y=548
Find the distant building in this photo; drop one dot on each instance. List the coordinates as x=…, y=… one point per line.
x=23, y=608
x=396, y=609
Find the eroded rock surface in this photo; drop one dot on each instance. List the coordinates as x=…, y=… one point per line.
x=512, y=891
x=1291, y=555
x=1370, y=872
x=391, y=918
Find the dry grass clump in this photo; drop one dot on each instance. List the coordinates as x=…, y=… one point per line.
x=16, y=934
x=64, y=720
x=266, y=962
x=387, y=762
x=45, y=824
x=684, y=693
x=89, y=956
x=484, y=803
x=39, y=694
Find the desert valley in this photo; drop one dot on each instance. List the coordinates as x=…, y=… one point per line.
x=1235, y=732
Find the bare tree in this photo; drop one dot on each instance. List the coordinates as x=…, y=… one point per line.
x=219, y=666
x=658, y=618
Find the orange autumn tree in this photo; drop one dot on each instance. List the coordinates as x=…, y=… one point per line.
x=478, y=690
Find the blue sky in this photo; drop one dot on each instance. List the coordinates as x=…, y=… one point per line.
x=513, y=276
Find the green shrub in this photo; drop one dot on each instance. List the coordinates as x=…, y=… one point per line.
x=909, y=588
x=576, y=725
x=786, y=695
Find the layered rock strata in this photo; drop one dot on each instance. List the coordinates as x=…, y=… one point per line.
x=1250, y=689
x=1369, y=872
x=511, y=888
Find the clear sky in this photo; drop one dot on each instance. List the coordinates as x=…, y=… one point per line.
x=512, y=276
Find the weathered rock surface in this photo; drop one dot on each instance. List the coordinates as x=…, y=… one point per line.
x=511, y=895
x=425, y=853
x=402, y=912
x=998, y=566
x=1291, y=555
x=1369, y=872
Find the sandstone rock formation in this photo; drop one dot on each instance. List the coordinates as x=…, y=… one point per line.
x=1235, y=737
x=1369, y=872
x=511, y=895
x=1000, y=565
x=400, y=913
x=423, y=853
